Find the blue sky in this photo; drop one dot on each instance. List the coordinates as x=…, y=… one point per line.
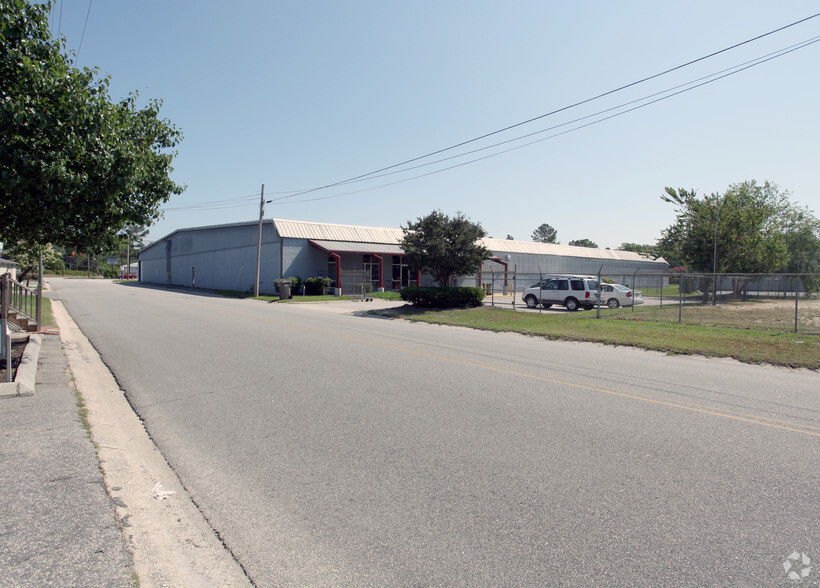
x=297, y=95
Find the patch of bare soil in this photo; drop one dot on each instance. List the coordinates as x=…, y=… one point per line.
x=807, y=304
x=17, y=349
x=777, y=312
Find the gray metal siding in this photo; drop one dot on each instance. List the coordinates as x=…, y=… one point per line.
x=224, y=258
x=301, y=259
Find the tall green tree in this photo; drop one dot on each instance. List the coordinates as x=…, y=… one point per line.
x=443, y=246
x=28, y=256
x=803, y=244
x=75, y=166
x=750, y=220
x=756, y=227
x=544, y=233
x=583, y=243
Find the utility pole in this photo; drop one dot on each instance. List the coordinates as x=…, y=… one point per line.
x=714, y=257
x=128, y=253
x=259, y=242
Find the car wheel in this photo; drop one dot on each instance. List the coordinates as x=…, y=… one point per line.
x=613, y=303
x=571, y=304
x=546, y=305
x=531, y=301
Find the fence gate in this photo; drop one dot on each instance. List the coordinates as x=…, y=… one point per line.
x=356, y=283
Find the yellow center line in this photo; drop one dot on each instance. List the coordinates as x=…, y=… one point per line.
x=712, y=411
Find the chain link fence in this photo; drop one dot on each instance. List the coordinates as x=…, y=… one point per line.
x=357, y=283
x=778, y=302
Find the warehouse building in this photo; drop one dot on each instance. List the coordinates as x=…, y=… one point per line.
x=224, y=257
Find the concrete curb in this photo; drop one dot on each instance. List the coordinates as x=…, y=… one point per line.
x=23, y=384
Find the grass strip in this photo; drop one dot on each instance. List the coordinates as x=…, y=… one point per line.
x=795, y=350
x=47, y=316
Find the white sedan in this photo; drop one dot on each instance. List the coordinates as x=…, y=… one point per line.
x=615, y=295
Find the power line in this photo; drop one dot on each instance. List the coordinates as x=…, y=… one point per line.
x=216, y=204
x=88, y=12
x=738, y=68
x=556, y=111
x=715, y=77
x=384, y=172
x=60, y=22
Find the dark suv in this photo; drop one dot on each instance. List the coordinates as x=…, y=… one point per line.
x=572, y=292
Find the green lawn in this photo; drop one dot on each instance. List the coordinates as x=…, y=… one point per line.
x=747, y=344
x=47, y=316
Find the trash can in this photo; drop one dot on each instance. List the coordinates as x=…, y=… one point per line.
x=284, y=289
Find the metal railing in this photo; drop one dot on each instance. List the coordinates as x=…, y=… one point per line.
x=5, y=348
x=17, y=299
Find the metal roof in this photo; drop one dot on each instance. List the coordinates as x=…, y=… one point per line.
x=200, y=228
x=331, y=232
x=511, y=246
x=358, y=247
x=356, y=238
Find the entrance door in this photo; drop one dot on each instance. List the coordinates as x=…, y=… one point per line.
x=401, y=272
x=371, y=272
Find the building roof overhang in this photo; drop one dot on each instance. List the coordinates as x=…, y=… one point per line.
x=339, y=247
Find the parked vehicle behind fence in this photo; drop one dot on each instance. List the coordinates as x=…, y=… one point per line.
x=572, y=292
x=615, y=295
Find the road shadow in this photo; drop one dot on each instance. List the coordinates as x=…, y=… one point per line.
x=202, y=292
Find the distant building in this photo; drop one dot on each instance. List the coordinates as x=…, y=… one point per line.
x=223, y=257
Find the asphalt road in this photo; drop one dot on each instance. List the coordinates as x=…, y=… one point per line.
x=332, y=449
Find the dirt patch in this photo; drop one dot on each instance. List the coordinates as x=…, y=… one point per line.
x=17, y=349
x=811, y=304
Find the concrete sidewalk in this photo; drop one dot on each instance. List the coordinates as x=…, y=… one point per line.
x=58, y=525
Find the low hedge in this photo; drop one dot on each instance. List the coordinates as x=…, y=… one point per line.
x=317, y=285
x=442, y=297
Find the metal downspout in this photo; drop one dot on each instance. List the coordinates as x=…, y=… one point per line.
x=381, y=270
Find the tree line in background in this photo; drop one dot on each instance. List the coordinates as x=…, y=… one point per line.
x=545, y=233
x=753, y=229
x=79, y=171
x=756, y=227
x=59, y=260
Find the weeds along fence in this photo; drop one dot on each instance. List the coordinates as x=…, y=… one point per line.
x=777, y=302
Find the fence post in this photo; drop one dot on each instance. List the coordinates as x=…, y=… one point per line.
x=600, y=291
x=515, y=276
x=796, y=297
x=661, y=290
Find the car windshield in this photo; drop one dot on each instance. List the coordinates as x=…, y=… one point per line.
x=621, y=288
